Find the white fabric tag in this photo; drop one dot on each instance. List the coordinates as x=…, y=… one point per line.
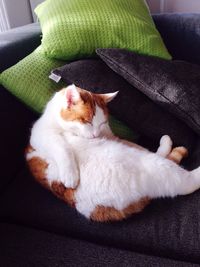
x=56, y=78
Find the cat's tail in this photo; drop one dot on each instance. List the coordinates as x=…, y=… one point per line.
x=194, y=181
x=187, y=182
x=168, y=179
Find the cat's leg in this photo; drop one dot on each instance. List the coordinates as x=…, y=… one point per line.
x=163, y=178
x=189, y=183
x=40, y=169
x=177, y=154
x=64, y=163
x=165, y=150
x=165, y=146
x=59, y=156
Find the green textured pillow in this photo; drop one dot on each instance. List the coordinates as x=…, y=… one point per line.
x=29, y=81
x=75, y=28
x=121, y=130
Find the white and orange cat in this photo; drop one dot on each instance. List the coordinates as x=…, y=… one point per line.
x=74, y=153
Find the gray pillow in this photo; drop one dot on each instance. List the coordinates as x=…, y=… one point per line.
x=174, y=85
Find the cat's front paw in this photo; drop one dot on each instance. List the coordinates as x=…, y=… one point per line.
x=69, y=177
x=52, y=172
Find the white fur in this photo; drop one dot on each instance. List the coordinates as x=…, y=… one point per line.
x=111, y=173
x=165, y=146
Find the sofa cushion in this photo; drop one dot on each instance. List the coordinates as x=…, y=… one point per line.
x=17, y=43
x=174, y=85
x=22, y=246
x=181, y=34
x=166, y=228
x=16, y=121
x=74, y=29
x=29, y=79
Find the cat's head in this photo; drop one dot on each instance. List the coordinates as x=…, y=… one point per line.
x=83, y=113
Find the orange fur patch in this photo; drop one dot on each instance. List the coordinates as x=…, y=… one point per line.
x=66, y=194
x=101, y=103
x=69, y=196
x=104, y=214
x=177, y=154
x=84, y=109
x=38, y=168
x=28, y=149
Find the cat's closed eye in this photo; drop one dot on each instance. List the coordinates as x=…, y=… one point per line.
x=83, y=120
x=103, y=123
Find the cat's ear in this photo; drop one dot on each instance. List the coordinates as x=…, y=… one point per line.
x=72, y=95
x=108, y=97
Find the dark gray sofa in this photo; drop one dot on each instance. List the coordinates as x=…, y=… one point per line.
x=36, y=229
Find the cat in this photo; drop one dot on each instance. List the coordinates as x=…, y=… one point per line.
x=74, y=153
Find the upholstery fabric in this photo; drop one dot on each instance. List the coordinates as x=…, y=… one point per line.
x=16, y=120
x=23, y=246
x=73, y=29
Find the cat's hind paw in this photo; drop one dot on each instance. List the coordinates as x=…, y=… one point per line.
x=178, y=153
x=165, y=146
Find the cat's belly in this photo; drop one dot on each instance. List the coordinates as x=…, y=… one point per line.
x=109, y=174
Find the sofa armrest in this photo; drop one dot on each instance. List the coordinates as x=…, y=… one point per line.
x=16, y=122
x=181, y=35
x=17, y=43
x=16, y=119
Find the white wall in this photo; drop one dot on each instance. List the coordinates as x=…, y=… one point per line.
x=154, y=5
x=34, y=3
x=182, y=6
x=18, y=12
x=157, y=5
x=174, y=6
